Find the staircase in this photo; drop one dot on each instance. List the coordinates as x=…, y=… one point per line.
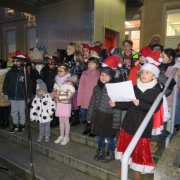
x=55, y=162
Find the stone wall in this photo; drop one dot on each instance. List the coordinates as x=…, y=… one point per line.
x=167, y=167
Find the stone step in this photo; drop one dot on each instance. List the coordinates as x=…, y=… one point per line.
x=74, y=155
x=75, y=134
x=15, y=158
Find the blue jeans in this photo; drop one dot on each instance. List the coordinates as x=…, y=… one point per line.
x=82, y=115
x=111, y=143
x=177, y=112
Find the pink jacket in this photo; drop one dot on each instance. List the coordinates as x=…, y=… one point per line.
x=87, y=83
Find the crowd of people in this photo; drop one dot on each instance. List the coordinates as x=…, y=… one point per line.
x=73, y=91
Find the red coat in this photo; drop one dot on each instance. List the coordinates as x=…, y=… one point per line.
x=87, y=83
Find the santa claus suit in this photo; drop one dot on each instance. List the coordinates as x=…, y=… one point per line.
x=141, y=158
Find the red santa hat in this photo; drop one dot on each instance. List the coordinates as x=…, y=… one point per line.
x=112, y=61
x=86, y=46
x=154, y=58
x=21, y=54
x=145, y=51
x=96, y=48
x=152, y=68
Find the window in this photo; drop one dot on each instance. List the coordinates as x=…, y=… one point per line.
x=173, y=22
x=133, y=32
x=11, y=41
x=31, y=38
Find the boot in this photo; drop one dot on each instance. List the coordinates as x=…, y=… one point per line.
x=100, y=155
x=91, y=135
x=87, y=129
x=109, y=157
x=76, y=121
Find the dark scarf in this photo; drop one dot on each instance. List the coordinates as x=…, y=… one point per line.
x=163, y=67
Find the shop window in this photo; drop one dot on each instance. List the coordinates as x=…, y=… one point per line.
x=11, y=41
x=133, y=32
x=31, y=38
x=173, y=22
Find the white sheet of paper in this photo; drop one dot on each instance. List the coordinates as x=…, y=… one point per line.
x=119, y=92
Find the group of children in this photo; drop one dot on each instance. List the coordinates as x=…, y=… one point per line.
x=148, y=72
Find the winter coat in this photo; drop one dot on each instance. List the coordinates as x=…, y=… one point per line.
x=136, y=114
x=165, y=72
x=87, y=83
x=49, y=77
x=130, y=60
x=14, y=84
x=64, y=92
x=42, y=108
x=3, y=102
x=76, y=67
x=36, y=75
x=99, y=102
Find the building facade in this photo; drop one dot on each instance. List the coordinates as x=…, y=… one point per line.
x=60, y=22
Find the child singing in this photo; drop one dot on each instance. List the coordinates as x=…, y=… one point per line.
x=146, y=91
x=63, y=93
x=104, y=120
x=43, y=107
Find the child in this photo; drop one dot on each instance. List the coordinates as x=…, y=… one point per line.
x=146, y=91
x=87, y=82
x=13, y=88
x=104, y=120
x=43, y=107
x=63, y=92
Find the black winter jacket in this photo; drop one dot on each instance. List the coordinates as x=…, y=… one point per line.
x=136, y=114
x=14, y=84
x=49, y=77
x=100, y=101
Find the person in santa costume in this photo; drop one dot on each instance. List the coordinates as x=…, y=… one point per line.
x=115, y=62
x=146, y=91
x=144, y=52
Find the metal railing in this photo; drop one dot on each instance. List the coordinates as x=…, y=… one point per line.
x=137, y=136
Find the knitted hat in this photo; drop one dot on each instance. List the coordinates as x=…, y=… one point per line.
x=41, y=85
x=152, y=68
x=36, y=55
x=96, y=48
x=154, y=58
x=145, y=51
x=112, y=61
x=109, y=71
